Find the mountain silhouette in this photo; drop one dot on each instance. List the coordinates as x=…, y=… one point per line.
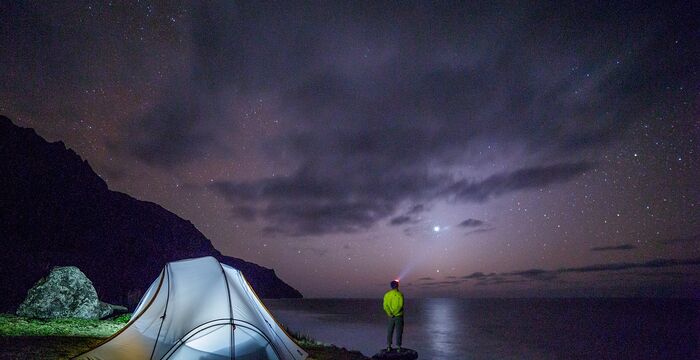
x=56, y=211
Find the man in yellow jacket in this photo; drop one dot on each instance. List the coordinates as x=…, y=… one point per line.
x=393, y=306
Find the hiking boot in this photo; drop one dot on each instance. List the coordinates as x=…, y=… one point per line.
x=399, y=349
x=388, y=348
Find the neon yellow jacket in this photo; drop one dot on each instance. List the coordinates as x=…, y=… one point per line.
x=393, y=303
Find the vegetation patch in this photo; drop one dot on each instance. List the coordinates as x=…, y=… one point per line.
x=321, y=351
x=11, y=325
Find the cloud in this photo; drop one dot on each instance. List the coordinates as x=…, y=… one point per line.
x=402, y=219
x=479, y=231
x=370, y=117
x=409, y=217
x=372, y=135
x=498, y=281
x=476, y=275
x=247, y=213
x=658, y=263
x=549, y=275
x=440, y=283
x=416, y=209
x=682, y=240
x=305, y=205
x=308, y=203
x=169, y=134
x=386, y=87
x=614, y=248
x=313, y=250
x=666, y=274
x=471, y=223
x=534, y=274
x=526, y=178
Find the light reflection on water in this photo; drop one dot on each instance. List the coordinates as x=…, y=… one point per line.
x=440, y=322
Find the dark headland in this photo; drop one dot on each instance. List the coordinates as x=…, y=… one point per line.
x=57, y=211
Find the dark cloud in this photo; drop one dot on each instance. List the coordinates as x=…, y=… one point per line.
x=168, y=135
x=549, y=275
x=666, y=274
x=496, y=280
x=379, y=131
x=440, y=283
x=614, y=247
x=682, y=240
x=528, y=178
x=190, y=99
x=534, y=274
x=658, y=263
x=479, y=231
x=317, y=219
x=305, y=205
x=403, y=219
x=309, y=203
x=471, y=223
x=416, y=209
x=476, y=275
x=426, y=279
x=313, y=250
x=375, y=108
x=247, y=213
x=410, y=217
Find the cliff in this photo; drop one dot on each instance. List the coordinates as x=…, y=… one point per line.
x=56, y=211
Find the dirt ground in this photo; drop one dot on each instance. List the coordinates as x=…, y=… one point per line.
x=63, y=347
x=44, y=347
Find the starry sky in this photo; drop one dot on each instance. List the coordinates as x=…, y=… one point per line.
x=509, y=149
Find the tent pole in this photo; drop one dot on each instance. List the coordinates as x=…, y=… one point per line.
x=165, y=311
x=232, y=348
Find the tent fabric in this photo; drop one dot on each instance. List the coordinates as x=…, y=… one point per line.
x=199, y=309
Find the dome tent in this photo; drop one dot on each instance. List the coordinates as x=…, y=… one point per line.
x=199, y=309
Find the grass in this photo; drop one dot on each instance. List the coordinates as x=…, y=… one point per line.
x=321, y=351
x=11, y=325
x=301, y=339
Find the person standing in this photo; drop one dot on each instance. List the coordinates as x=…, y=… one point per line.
x=393, y=306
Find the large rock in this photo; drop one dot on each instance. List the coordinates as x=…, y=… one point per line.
x=65, y=292
x=394, y=354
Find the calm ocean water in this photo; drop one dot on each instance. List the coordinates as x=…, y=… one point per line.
x=507, y=328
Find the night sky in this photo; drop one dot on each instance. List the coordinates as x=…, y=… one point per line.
x=474, y=150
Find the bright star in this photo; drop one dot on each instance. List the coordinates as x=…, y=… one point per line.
x=436, y=228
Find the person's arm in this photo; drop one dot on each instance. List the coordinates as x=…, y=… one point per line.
x=386, y=306
x=399, y=300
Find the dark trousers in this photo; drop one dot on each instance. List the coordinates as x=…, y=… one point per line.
x=394, y=322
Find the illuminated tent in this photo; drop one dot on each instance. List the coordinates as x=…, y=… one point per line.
x=199, y=309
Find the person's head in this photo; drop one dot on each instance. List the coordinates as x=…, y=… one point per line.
x=394, y=284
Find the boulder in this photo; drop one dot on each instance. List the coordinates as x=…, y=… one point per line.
x=65, y=292
x=394, y=354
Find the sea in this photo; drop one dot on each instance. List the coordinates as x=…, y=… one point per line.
x=533, y=328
